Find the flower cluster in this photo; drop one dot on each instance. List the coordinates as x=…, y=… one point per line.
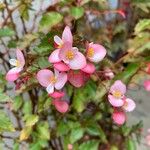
x=69, y=65
x=120, y=102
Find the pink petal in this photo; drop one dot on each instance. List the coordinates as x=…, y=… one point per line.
x=20, y=57
x=58, y=40
x=122, y=13
x=61, y=66
x=147, y=85
x=76, y=78
x=54, y=56
x=115, y=102
x=43, y=77
x=89, y=68
x=62, y=79
x=147, y=138
x=67, y=35
x=129, y=105
x=119, y=117
x=61, y=105
x=12, y=76
x=99, y=53
x=78, y=62
x=118, y=86
x=57, y=94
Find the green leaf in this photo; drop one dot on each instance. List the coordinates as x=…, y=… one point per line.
x=62, y=128
x=77, y=12
x=43, y=62
x=131, y=144
x=142, y=25
x=25, y=133
x=43, y=131
x=27, y=107
x=5, y=123
x=96, y=130
x=89, y=145
x=128, y=73
x=4, y=32
x=49, y=20
x=4, y=97
x=18, y=101
x=31, y=120
x=76, y=134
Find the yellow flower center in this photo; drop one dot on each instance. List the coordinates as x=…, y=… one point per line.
x=90, y=52
x=18, y=63
x=69, y=55
x=53, y=79
x=117, y=94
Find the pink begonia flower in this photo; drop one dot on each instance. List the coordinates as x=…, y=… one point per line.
x=95, y=52
x=61, y=105
x=89, y=68
x=66, y=37
x=66, y=53
x=49, y=80
x=72, y=57
x=18, y=64
x=119, y=117
x=147, y=85
x=129, y=105
x=57, y=94
x=117, y=91
x=78, y=78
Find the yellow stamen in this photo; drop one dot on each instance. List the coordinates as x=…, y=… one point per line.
x=18, y=63
x=53, y=79
x=117, y=94
x=69, y=55
x=90, y=52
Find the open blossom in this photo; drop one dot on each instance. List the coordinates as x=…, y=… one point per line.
x=51, y=80
x=95, y=52
x=116, y=94
x=18, y=64
x=67, y=54
x=119, y=117
x=147, y=138
x=147, y=85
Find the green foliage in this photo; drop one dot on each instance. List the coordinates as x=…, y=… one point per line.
x=76, y=134
x=77, y=12
x=4, y=97
x=89, y=145
x=6, y=32
x=131, y=144
x=142, y=25
x=5, y=123
x=49, y=20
